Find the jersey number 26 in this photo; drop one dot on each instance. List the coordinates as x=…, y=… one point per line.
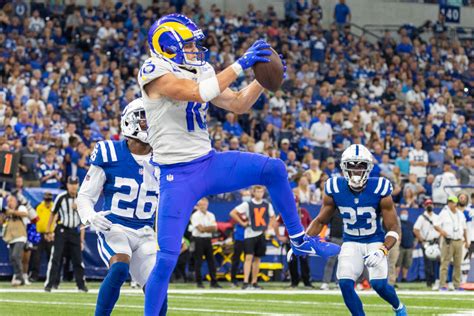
x=136, y=191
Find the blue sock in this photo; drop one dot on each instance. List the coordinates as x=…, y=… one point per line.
x=386, y=291
x=275, y=178
x=110, y=288
x=157, y=284
x=352, y=300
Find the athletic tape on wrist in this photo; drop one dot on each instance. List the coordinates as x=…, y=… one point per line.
x=237, y=68
x=209, y=89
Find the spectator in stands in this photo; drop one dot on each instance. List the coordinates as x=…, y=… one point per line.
x=331, y=169
x=321, y=135
x=405, y=258
x=44, y=212
x=231, y=125
x=284, y=149
x=15, y=236
x=29, y=159
x=403, y=162
x=386, y=168
x=451, y=225
x=259, y=216
x=204, y=224
x=314, y=171
x=443, y=185
x=436, y=159
x=426, y=234
x=465, y=174
x=50, y=171
x=335, y=236
x=303, y=261
x=304, y=191
x=342, y=13
x=419, y=162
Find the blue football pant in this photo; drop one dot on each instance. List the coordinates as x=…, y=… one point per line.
x=181, y=187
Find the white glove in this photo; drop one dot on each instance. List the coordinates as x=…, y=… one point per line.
x=98, y=221
x=375, y=258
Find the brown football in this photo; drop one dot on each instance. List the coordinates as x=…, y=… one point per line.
x=270, y=75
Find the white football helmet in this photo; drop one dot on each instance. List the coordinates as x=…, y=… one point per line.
x=432, y=252
x=133, y=122
x=356, y=165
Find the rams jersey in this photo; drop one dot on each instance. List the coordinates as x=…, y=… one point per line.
x=360, y=211
x=177, y=130
x=129, y=192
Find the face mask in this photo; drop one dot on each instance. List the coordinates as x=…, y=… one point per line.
x=404, y=217
x=246, y=198
x=429, y=209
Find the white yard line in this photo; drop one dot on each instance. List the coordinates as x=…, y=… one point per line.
x=253, y=292
x=204, y=310
x=259, y=301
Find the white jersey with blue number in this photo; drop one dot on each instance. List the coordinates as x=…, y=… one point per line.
x=360, y=211
x=128, y=193
x=177, y=130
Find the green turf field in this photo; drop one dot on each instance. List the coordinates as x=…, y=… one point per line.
x=187, y=300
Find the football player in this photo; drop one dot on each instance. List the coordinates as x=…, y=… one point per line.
x=126, y=239
x=363, y=203
x=177, y=84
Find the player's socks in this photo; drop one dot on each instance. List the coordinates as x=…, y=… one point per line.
x=275, y=178
x=352, y=300
x=386, y=291
x=157, y=284
x=110, y=288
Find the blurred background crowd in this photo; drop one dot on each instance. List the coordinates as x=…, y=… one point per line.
x=67, y=71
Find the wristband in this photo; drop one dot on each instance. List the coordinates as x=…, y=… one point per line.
x=393, y=234
x=237, y=68
x=384, y=249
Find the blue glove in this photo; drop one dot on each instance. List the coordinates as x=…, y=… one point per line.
x=313, y=246
x=255, y=54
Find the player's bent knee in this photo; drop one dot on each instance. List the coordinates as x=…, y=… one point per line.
x=274, y=169
x=346, y=284
x=378, y=284
x=119, y=272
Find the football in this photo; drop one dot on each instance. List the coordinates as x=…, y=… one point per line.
x=270, y=75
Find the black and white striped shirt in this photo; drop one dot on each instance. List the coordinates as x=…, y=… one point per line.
x=65, y=205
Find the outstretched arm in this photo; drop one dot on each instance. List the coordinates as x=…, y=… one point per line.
x=324, y=216
x=188, y=90
x=241, y=101
x=209, y=89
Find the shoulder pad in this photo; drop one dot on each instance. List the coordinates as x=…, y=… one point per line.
x=155, y=67
x=380, y=186
x=332, y=186
x=104, y=153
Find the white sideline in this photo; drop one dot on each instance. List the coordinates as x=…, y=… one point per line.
x=205, y=310
x=256, y=292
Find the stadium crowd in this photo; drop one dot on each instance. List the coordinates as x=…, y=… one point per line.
x=67, y=71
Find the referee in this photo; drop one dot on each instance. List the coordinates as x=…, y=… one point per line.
x=67, y=235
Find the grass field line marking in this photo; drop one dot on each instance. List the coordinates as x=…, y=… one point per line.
x=245, y=300
x=205, y=310
x=240, y=292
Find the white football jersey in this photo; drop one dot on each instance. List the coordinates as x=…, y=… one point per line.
x=177, y=130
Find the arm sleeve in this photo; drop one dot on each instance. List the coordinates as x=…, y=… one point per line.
x=90, y=191
x=57, y=203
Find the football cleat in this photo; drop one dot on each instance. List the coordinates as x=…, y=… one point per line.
x=313, y=246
